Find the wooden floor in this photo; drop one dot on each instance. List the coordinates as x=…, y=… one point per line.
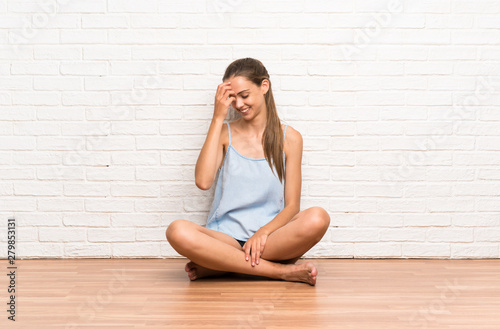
x=350, y=293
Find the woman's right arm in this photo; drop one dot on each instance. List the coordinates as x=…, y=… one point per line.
x=211, y=152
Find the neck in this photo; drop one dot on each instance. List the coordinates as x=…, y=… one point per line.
x=255, y=126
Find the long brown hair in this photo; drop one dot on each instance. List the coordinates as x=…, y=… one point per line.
x=272, y=139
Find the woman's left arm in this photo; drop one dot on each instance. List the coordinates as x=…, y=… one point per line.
x=293, y=184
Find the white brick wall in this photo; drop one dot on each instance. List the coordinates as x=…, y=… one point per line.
x=104, y=106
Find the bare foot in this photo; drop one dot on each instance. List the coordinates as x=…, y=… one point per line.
x=306, y=272
x=196, y=271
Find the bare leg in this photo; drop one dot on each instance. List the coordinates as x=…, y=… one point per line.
x=301, y=233
x=189, y=240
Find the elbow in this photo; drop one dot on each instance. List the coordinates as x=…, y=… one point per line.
x=203, y=185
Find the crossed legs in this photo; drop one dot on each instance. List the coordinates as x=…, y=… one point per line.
x=213, y=253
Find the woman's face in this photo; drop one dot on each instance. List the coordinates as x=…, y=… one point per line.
x=249, y=98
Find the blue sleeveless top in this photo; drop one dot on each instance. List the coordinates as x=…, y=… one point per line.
x=248, y=195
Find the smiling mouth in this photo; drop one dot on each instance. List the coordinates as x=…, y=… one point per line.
x=245, y=110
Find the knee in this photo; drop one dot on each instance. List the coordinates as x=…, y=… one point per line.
x=176, y=231
x=318, y=220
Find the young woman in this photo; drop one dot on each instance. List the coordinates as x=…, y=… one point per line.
x=255, y=225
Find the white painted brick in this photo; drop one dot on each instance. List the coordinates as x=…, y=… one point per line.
x=488, y=143
x=106, y=52
x=86, y=189
x=156, y=36
x=354, y=144
x=110, y=235
x=108, y=205
x=403, y=235
x=451, y=52
x=59, y=204
x=294, y=21
x=136, y=250
x=131, y=6
x=380, y=68
x=183, y=128
x=314, y=173
x=54, y=113
x=426, y=250
x=158, y=174
x=488, y=204
x=39, y=219
x=104, y=21
x=487, y=234
x=135, y=158
x=57, y=83
x=18, y=204
x=450, y=234
x=136, y=220
x=110, y=173
x=331, y=189
x=266, y=53
x=105, y=106
x=428, y=190
x=16, y=83
x=379, y=158
x=158, y=205
x=377, y=220
x=163, y=52
x=403, y=206
x=55, y=52
x=118, y=112
x=137, y=190
x=158, y=143
x=36, y=98
x=60, y=173
x=66, y=234
x=94, y=250
x=489, y=53
x=110, y=143
x=437, y=21
x=354, y=235
x=450, y=204
x=149, y=234
x=173, y=158
x=321, y=6
x=179, y=6
x=41, y=250
x=474, y=250
x=32, y=68
x=485, y=188
x=442, y=175
x=87, y=219
x=36, y=158
x=83, y=36
x=374, y=250
x=60, y=143
x=353, y=205
x=6, y=189
x=17, y=143
x=475, y=219
x=331, y=158
x=378, y=190
x=83, y=68
x=38, y=189
x=87, y=6
x=86, y=129
x=476, y=158
x=464, y=6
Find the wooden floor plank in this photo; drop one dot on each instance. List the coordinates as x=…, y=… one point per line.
x=350, y=293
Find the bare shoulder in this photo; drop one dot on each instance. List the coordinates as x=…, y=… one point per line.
x=293, y=140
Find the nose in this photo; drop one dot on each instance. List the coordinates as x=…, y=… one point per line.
x=239, y=102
